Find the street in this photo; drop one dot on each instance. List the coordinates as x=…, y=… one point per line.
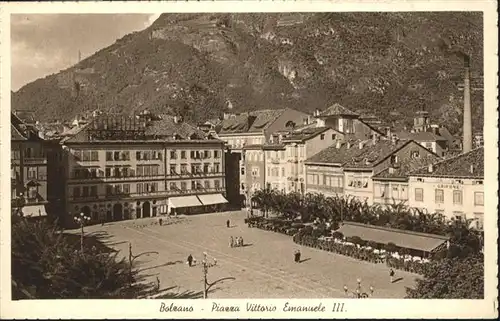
x=264, y=268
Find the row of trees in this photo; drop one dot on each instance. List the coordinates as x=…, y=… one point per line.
x=314, y=206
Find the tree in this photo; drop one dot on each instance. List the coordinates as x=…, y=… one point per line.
x=455, y=278
x=47, y=264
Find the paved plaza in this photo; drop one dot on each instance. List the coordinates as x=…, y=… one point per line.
x=263, y=269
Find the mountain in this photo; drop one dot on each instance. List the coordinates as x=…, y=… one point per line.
x=198, y=64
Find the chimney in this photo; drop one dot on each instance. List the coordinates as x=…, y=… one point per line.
x=430, y=169
x=467, y=131
x=394, y=139
x=316, y=113
x=375, y=138
x=339, y=144
x=360, y=145
x=472, y=169
x=348, y=145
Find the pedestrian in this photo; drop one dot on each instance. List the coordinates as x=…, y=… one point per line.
x=157, y=284
x=160, y=220
x=297, y=256
x=391, y=274
x=231, y=241
x=190, y=260
x=241, y=241
x=228, y=223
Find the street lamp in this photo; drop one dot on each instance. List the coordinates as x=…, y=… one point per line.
x=205, y=266
x=358, y=293
x=82, y=220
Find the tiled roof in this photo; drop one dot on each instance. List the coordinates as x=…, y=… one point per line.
x=354, y=157
x=255, y=121
x=420, y=136
x=16, y=134
x=162, y=129
x=405, y=166
x=458, y=166
x=337, y=110
x=305, y=134
x=167, y=127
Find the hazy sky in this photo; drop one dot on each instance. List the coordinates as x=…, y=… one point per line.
x=43, y=44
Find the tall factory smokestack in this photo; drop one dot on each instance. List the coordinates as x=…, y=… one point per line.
x=467, y=130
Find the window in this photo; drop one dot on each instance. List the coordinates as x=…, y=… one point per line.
x=207, y=184
x=76, y=191
x=125, y=155
x=419, y=194
x=109, y=156
x=479, y=198
x=395, y=192
x=282, y=154
x=478, y=221
x=109, y=189
x=139, y=188
x=184, y=169
x=217, y=168
x=183, y=154
x=173, y=154
x=459, y=216
x=85, y=191
x=255, y=172
x=207, y=154
x=217, y=154
x=173, y=186
x=404, y=192
x=32, y=172
x=242, y=186
x=86, y=155
x=93, y=190
x=126, y=188
x=242, y=171
x=138, y=155
x=78, y=154
x=32, y=192
x=183, y=186
x=205, y=168
x=192, y=154
x=283, y=172
x=439, y=196
x=116, y=156
x=217, y=184
x=334, y=136
x=322, y=137
x=457, y=197
x=415, y=154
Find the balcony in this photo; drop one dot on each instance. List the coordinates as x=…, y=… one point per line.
x=293, y=159
x=275, y=160
x=35, y=160
x=84, y=198
x=105, y=179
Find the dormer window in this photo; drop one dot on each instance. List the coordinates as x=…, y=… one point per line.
x=394, y=159
x=415, y=154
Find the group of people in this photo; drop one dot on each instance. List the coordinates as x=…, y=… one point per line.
x=235, y=241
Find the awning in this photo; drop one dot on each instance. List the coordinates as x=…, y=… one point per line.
x=34, y=211
x=183, y=201
x=210, y=199
x=384, y=235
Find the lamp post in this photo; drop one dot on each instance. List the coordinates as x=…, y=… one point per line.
x=205, y=266
x=82, y=220
x=358, y=293
x=132, y=257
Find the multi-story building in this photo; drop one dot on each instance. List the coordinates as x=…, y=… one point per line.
x=276, y=165
x=430, y=140
x=256, y=127
x=347, y=168
x=28, y=170
x=390, y=185
x=300, y=145
x=253, y=173
x=251, y=128
x=120, y=168
x=452, y=187
x=346, y=122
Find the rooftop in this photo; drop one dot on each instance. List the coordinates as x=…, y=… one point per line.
x=354, y=157
x=255, y=121
x=404, y=167
x=420, y=136
x=305, y=134
x=468, y=165
x=337, y=110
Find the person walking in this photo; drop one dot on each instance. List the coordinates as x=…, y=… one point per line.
x=190, y=260
x=160, y=220
x=391, y=274
x=231, y=241
x=241, y=241
x=228, y=223
x=297, y=256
